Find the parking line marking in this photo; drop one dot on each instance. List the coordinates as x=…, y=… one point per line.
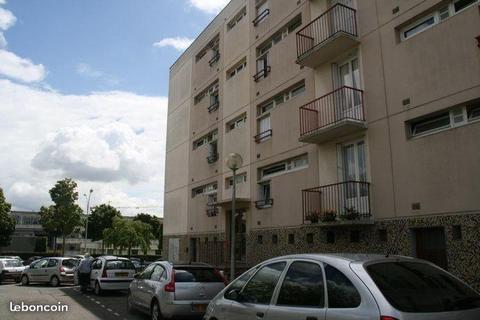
x=109, y=310
x=116, y=314
x=103, y=306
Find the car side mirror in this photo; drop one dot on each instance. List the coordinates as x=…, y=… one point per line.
x=235, y=295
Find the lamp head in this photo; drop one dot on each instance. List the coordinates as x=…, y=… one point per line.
x=234, y=161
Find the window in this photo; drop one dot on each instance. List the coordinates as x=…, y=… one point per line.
x=197, y=274
x=41, y=264
x=119, y=265
x=236, y=123
x=309, y=238
x=431, y=124
x=264, y=129
x=341, y=292
x=211, y=90
x=232, y=72
x=232, y=23
x=238, y=284
x=435, y=17
x=259, y=289
x=241, y=178
x=293, y=164
x=212, y=152
x=303, y=286
x=260, y=239
x=211, y=137
x=212, y=46
x=205, y=190
x=157, y=273
x=421, y=288
x=265, y=194
x=473, y=111
x=52, y=263
x=281, y=97
x=274, y=239
x=147, y=273
x=291, y=238
x=262, y=11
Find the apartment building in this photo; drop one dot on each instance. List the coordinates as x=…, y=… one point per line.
x=358, y=123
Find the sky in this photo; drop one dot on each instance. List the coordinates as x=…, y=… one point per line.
x=84, y=95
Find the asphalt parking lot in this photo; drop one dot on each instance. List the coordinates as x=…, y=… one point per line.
x=110, y=306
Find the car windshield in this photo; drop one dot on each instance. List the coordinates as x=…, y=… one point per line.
x=70, y=263
x=12, y=263
x=189, y=274
x=420, y=287
x=119, y=265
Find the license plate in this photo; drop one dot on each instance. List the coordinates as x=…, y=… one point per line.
x=199, y=307
x=121, y=274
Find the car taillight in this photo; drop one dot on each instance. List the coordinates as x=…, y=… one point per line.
x=170, y=287
x=387, y=318
x=104, y=273
x=225, y=281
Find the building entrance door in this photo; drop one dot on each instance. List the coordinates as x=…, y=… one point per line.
x=240, y=235
x=430, y=245
x=193, y=249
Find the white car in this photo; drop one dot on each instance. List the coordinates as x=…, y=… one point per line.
x=111, y=273
x=11, y=269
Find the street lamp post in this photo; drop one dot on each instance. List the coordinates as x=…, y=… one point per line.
x=233, y=162
x=86, y=220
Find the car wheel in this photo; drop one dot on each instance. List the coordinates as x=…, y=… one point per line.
x=17, y=280
x=97, y=289
x=155, y=313
x=54, y=282
x=25, y=280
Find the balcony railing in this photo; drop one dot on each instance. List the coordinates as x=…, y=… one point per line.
x=261, y=16
x=212, y=210
x=336, y=21
x=264, y=203
x=212, y=158
x=345, y=202
x=213, y=107
x=214, y=59
x=262, y=136
x=343, y=105
x=263, y=73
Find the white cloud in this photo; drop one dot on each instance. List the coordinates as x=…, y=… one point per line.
x=86, y=70
x=111, y=136
x=108, y=153
x=7, y=19
x=3, y=2
x=15, y=67
x=179, y=43
x=209, y=6
x=3, y=41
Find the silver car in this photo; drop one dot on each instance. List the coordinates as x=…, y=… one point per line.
x=11, y=269
x=111, y=273
x=166, y=290
x=346, y=287
x=53, y=270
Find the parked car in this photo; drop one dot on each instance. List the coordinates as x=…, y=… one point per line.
x=345, y=286
x=53, y=270
x=11, y=269
x=111, y=273
x=139, y=264
x=166, y=290
x=32, y=259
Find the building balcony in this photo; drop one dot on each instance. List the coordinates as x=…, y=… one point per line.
x=333, y=115
x=214, y=106
x=264, y=203
x=328, y=36
x=261, y=74
x=214, y=59
x=262, y=136
x=345, y=203
x=212, y=158
x=212, y=210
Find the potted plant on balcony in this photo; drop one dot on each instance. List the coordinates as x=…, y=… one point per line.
x=329, y=216
x=313, y=217
x=351, y=214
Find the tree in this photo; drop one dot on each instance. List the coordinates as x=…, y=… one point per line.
x=126, y=233
x=101, y=219
x=155, y=223
x=7, y=222
x=65, y=215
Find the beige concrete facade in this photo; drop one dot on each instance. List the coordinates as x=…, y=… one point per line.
x=371, y=69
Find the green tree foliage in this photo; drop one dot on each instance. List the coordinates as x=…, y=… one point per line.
x=7, y=222
x=100, y=219
x=65, y=215
x=155, y=223
x=126, y=233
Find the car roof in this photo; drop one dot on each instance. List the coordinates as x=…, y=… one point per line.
x=113, y=258
x=343, y=257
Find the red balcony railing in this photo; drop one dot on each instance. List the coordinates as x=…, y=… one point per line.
x=341, y=104
x=345, y=201
x=335, y=20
